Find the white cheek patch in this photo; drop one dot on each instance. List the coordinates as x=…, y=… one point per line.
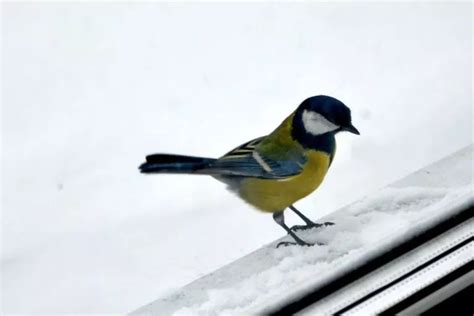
x=316, y=124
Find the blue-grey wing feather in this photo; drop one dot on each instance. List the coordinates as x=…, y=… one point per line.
x=247, y=161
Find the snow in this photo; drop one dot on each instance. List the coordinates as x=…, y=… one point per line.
x=367, y=225
x=89, y=88
x=253, y=284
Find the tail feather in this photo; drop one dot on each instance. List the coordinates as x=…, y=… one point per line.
x=164, y=163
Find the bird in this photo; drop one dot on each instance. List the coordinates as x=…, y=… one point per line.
x=273, y=172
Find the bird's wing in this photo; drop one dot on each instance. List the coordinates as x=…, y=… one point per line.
x=248, y=161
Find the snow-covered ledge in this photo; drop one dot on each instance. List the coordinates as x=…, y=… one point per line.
x=268, y=279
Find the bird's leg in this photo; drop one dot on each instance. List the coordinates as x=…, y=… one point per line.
x=280, y=219
x=309, y=224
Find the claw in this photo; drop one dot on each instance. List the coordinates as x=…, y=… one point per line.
x=310, y=226
x=290, y=243
x=286, y=243
x=304, y=243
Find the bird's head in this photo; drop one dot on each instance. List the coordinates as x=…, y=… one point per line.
x=322, y=114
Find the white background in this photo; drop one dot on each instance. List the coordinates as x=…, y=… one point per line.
x=89, y=89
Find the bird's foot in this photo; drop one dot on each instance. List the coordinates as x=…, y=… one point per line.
x=303, y=243
x=310, y=226
x=291, y=243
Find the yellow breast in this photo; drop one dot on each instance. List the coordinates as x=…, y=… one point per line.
x=276, y=195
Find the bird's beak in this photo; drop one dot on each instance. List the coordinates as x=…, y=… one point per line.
x=351, y=129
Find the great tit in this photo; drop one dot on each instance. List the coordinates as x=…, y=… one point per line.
x=274, y=171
